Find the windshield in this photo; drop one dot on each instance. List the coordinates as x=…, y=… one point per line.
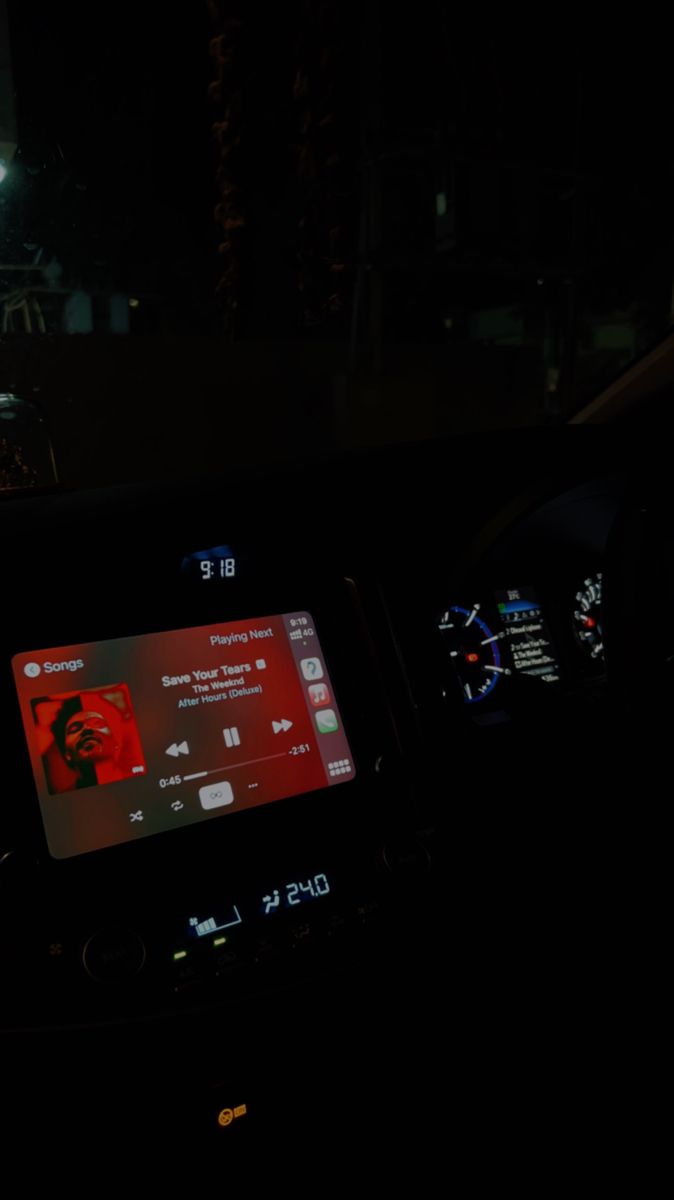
x=240, y=232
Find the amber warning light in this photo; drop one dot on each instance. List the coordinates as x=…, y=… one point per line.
x=227, y=1115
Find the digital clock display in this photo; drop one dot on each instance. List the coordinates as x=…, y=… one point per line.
x=219, y=568
x=208, y=566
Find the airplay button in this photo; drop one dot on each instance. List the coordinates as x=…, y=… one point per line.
x=216, y=795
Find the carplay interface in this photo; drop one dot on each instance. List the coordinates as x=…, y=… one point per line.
x=138, y=735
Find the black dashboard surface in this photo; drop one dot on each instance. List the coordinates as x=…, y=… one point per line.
x=463, y=905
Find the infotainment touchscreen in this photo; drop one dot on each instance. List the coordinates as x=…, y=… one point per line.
x=139, y=735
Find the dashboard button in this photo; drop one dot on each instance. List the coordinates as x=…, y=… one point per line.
x=407, y=857
x=113, y=955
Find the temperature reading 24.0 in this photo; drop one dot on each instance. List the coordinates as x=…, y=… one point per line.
x=292, y=894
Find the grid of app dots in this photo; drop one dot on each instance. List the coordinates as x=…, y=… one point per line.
x=341, y=767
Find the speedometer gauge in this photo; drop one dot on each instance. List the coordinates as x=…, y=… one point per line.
x=474, y=651
x=587, y=617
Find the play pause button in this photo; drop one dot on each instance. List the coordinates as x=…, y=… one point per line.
x=231, y=737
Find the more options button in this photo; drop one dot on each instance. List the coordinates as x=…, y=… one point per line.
x=216, y=795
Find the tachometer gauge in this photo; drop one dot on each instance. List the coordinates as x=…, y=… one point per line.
x=587, y=617
x=474, y=651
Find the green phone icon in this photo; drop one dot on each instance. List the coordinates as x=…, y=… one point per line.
x=326, y=721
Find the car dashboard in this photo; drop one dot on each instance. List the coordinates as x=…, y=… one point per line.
x=280, y=746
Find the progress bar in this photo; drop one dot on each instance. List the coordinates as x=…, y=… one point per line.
x=234, y=766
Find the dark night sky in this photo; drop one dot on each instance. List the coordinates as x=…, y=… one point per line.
x=113, y=115
x=125, y=97
x=120, y=93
